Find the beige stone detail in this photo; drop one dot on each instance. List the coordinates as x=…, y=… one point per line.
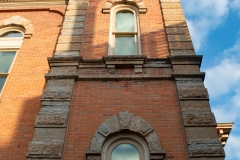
x=182, y=52
x=67, y=54
x=77, y=7
x=177, y=31
x=181, y=38
x=172, y=12
x=174, y=18
x=69, y=39
x=175, y=24
x=68, y=32
x=171, y=5
x=73, y=24
x=74, y=18
x=74, y=2
x=68, y=47
x=181, y=45
x=169, y=1
x=184, y=69
x=76, y=13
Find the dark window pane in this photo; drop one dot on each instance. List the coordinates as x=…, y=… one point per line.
x=125, y=152
x=124, y=45
x=11, y=34
x=124, y=21
x=6, y=59
x=2, y=81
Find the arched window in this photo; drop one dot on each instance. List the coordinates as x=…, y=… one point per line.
x=125, y=147
x=124, y=35
x=10, y=42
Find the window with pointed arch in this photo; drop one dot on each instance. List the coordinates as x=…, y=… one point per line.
x=125, y=147
x=124, y=34
x=11, y=39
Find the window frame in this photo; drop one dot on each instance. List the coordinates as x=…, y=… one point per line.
x=113, y=33
x=134, y=140
x=14, y=46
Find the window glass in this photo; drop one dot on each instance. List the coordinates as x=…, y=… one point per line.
x=124, y=45
x=2, y=81
x=12, y=34
x=125, y=152
x=124, y=21
x=6, y=59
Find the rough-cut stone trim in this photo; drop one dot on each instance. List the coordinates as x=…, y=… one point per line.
x=126, y=121
x=198, y=121
x=176, y=28
x=139, y=3
x=20, y=21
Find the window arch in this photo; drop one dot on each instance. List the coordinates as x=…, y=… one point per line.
x=11, y=39
x=124, y=34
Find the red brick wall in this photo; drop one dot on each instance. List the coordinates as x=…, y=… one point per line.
x=96, y=32
x=95, y=101
x=21, y=97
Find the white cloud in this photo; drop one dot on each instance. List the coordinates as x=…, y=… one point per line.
x=203, y=17
x=232, y=148
x=236, y=6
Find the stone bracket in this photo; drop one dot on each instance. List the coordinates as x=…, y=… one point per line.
x=64, y=61
x=186, y=59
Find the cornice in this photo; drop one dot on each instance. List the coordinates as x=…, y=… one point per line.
x=26, y=3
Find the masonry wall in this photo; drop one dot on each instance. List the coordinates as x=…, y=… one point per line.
x=95, y=101
x=21, y=97
x=96, y=31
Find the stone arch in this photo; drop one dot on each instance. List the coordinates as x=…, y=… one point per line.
x=138, y=3
x=23, y=24
x=125, y=121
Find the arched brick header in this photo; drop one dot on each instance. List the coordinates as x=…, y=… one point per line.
x=138, y=3
x=25, y=24
x=125, y=121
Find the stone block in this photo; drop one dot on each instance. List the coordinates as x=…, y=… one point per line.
x=74, y=2
x=178, y=31
x=45, y=149
x=176, y=52
x=77, y=7
x=124, y=118
x=191, y=106
x=49, y=134
x=175, y=24
x=172, y=12
x=67, y=54
x=74, y=18
x=68, y=47
x=199, y=119
x=69, y=39
x=58, y=89
x=153, y=142
x=193, y=93
x=140, y=125
x=63, y=70
x=71, y=32
x=170, y=1
x=76, y=13
x=174, y=5
x=186, y=69
x=201, y=134
x=179, y=38
x=51, y=120
x=97, y=142
x=174, y=17
x=69, y=25
x=52, y=110
x=181, y=45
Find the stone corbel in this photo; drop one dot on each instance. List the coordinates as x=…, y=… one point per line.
x=138, y=3
x=137, y=61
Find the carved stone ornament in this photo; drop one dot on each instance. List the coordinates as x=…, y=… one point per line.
x=138, y=3
x=127, y=122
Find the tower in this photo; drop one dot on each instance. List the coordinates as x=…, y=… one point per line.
x=122, y=73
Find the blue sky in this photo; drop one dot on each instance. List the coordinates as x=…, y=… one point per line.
x=215, y=30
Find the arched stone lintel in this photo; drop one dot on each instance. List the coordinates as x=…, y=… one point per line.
x=24, y=25
x=126, y=121
x=138, y=3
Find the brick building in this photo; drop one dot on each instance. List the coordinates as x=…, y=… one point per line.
x=100, y=79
